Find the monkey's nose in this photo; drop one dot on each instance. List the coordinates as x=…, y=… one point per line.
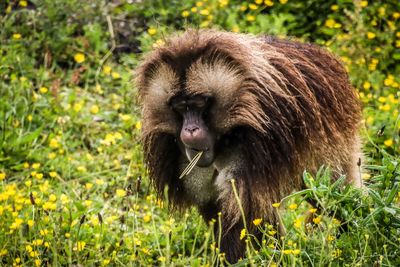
x=191, y=130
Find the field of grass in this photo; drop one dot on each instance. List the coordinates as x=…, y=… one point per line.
x=73, y=187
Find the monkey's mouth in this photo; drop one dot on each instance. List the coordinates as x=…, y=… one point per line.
x=206, y=159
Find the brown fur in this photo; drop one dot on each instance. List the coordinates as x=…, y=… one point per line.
x=281, y=107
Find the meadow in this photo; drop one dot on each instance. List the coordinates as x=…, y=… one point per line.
x=74, y=190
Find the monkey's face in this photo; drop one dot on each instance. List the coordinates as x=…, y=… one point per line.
x=195, y=135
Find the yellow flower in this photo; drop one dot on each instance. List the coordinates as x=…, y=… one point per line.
x=253, y=6
x=78, y=106
x=52, y=198
x=317, y=220
x=147, y=218
x=365, y=176
x=185, y=13
x=385, y=107
x=94, y=109
x=293, y=206
x=64, y=199
x=297, y=223
x=30, y=223
x=51, y=155
x=39, y=176
x=67, y=235
x=37, y=242
x=388, y=142
x=205, y=12
x=276, y=205
x=107, y=69
x=287, y=251
x=199, y=4
x=17, y=36
x=314, y=210
x=242, y=233
x=99, y=182
x=80, y=245
x=125, y=117
x=53, y=174
x=87, y=203
x=250, y=18
x=138, y=125
x=371, y=35
x=121, y=192
x=49, y=206
x=364, y=3
x=268, y=3
x=334, y=7
x=330, y=23
x=88, y=186
x=152, y=31
x=235, y=28
x=2, y=176
x=16, y=224
x=36, y=165
x=115, y=75
x=79, y=57
x=296, y=251
x=367, y=85
x=43, y=90
x=23, y=3
x=258, y=2
x=257, y=222
x=283, y=1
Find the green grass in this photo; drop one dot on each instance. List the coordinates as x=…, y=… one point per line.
x=73, y=187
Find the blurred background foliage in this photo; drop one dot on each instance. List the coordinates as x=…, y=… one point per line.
x=70, y=160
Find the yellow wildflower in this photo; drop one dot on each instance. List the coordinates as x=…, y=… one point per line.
x=330, y=23
x=371, y=35
x=23, y=3
x=17, y=36
x=147, y=218
x=276, y=205
x=107, y=69
x=152, y=31
x=297, y=223
x=283, y=1
x=121, y=192
x=317, y=220
x=43, y=90
x=115, y=75
x=257, y=222
x=185, y=13
x=79, y=57
x=388, y=142
x=2, y=176
x=250, y=18
x=364, y=3
x=268, y=3
x=293, y=206
x=334, y=7
x=242, y=233
x=36, y=165
x=94, y=109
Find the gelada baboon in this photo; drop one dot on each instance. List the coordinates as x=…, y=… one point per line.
x=260, y=109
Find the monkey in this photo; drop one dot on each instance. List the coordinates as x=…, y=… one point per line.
x=260, y=109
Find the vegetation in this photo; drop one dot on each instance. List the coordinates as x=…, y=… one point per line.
x=73, y=188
